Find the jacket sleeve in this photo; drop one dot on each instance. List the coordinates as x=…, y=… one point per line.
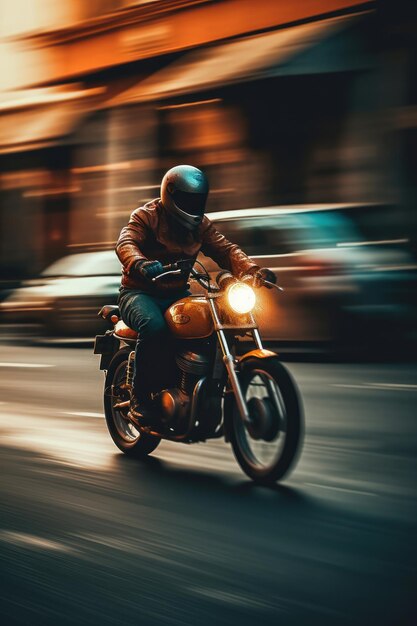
x=225, y=253
x=128, y=246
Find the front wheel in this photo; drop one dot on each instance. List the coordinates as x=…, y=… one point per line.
x=268, y=447
x=124, y=433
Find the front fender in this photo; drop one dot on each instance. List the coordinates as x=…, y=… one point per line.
x=258, y=354
x=229, y=399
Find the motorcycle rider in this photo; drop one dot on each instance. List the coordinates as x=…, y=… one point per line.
x=161, y=232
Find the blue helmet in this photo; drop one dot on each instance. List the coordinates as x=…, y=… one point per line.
x=184, y=191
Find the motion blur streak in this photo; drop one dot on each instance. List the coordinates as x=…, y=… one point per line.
x=82, y=525
x=22, y=539
x=302, y=114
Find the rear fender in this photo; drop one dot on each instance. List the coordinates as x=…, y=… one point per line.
x=106, y=345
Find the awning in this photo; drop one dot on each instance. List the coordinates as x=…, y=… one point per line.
x=39, y=118
x=290, y=51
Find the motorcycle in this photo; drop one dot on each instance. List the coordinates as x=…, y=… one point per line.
x=250, y=399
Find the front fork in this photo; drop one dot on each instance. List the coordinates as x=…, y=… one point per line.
x=230, y=362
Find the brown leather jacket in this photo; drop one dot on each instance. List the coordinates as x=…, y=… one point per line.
x=150, y=234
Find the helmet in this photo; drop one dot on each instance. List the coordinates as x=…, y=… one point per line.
x=184, y=191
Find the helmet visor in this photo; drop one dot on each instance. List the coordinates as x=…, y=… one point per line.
x=191, y=203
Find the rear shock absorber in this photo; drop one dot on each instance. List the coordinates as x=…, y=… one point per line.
x=130, y=369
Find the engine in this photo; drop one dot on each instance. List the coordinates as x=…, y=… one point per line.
x=175, y=403
x=192, y=366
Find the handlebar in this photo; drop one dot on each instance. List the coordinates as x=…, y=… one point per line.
x=180, y=267
x=185, y=266
x=267, y=283
x=166, y=274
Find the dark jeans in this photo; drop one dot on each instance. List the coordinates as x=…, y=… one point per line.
x=154, y=348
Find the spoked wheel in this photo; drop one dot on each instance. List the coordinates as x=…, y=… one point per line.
x=267, y=448
x=124, y=433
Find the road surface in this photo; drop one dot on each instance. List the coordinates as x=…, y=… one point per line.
x=90, y=537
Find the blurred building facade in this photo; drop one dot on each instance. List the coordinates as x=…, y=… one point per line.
x=281, y=103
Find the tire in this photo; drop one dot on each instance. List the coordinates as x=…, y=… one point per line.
x=278, y=423
x=124, y=433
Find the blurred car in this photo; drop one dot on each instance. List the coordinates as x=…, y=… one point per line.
x=66, y=297
x=347, y=274
x=7, y=286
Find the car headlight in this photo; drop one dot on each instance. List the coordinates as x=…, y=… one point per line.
x=241, y=297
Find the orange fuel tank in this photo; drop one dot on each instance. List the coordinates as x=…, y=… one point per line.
x=190, y=318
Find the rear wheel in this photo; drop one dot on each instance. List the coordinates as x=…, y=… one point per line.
x=267, y=448
x=124, y=433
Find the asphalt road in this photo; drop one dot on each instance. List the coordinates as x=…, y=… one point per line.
x=90, y=537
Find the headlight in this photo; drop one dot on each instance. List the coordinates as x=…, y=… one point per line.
x=241, y=297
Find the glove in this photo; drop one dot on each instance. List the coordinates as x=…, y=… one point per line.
x=149, y=269
x=256, y=279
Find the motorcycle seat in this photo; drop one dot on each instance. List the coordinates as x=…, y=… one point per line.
x=123, y=331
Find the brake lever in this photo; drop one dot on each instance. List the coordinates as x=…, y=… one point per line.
x=166, y=274
x=267, y=283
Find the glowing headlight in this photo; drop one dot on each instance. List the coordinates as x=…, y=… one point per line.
x=241, y=297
